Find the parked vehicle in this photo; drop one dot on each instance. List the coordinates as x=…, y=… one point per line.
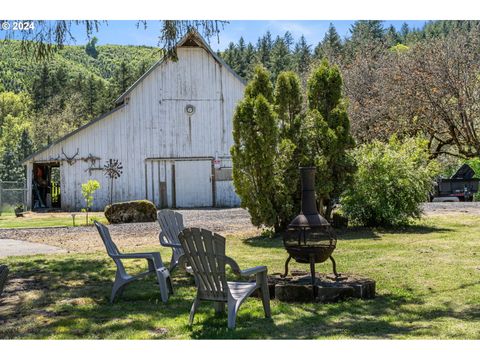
x=462, y=186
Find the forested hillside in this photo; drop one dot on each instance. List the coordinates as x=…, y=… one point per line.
x=407, y=82
x=41, y=101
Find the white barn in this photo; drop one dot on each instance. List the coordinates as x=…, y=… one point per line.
x=171, y=131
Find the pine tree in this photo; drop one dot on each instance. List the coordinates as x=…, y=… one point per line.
x=11, y=170
x=331, y=46
x=41, y=87
x=254, y=149
x=230, y=55
x=279, y=58
x=91, y=96
x=122, y=77
x=404, y=31
x=365, y=30
x=365, y=35
x=288, y=38
x=326, y=135
x=391, y=37
x=249, y=60
x=302, y=56
x=264, y=47
x=90, y=48
x=25, y=146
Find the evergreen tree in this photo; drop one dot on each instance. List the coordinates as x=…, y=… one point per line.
x=142, y=68
x=302, y=56
x=366, y=35
x=366, y=30
x=331, y=46
x=91, y=96
x=249, y=60
x=41, y=85
x=264, y=48
x=10, y=170
x=404, y=31
x=288, y=39
x=391, y=37
x=25, y=146
x=254, y=149
x=231, y=57
x=326, y=135
x=280, y=57
x=90, y=48
x=122, y=77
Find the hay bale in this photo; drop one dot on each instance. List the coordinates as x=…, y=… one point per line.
x=131, y=211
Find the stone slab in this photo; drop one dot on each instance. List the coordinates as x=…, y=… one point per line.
x=298, y=288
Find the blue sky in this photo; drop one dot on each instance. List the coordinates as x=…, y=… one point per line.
x=126, y=33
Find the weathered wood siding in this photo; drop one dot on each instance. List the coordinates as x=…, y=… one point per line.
x=153, y=124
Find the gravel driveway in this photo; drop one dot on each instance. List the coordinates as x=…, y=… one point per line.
x=86, y=239
x=131, y=236
x=9, y=247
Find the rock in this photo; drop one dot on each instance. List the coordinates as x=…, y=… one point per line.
x=298, y=288
x=131, y=211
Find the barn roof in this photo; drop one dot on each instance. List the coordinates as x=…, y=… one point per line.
x=187, y=40
x=191, y=38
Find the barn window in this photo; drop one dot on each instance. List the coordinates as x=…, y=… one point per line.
x=223, y=174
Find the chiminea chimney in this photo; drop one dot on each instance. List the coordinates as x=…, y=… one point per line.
x=309, y=216
x=309, y=238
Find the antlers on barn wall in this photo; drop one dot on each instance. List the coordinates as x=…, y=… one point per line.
x=70, y=160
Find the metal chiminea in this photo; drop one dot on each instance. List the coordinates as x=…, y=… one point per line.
x=309, y=238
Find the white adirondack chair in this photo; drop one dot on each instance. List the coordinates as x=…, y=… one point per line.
x=206, y=259
x=171, y=223
x=155, y=265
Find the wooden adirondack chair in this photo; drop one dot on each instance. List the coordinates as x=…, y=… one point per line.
x=171, y=223
x=155, y=265
x=3, y=277
x=205, y=255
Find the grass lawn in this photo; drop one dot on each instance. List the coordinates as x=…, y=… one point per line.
x=428, y=286
x=38, y=220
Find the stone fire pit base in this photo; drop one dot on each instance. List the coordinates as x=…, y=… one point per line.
x=297, y=287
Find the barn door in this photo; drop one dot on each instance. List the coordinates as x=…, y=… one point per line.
x=193, y=183
x=156, y=182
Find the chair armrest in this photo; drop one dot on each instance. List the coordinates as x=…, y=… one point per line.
x=178, y=246
x=154, y=257
x=253, y=271
x=233, y=264
x=135, y=256
x=169, y=244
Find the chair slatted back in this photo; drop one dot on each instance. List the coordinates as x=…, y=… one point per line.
x=107, y=239
x=205, y=253
x=171, y=223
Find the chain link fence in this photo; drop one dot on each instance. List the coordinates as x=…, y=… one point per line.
x=12, y=195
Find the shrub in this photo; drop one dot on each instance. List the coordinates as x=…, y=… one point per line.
x=392, y=180
x=131, y=211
